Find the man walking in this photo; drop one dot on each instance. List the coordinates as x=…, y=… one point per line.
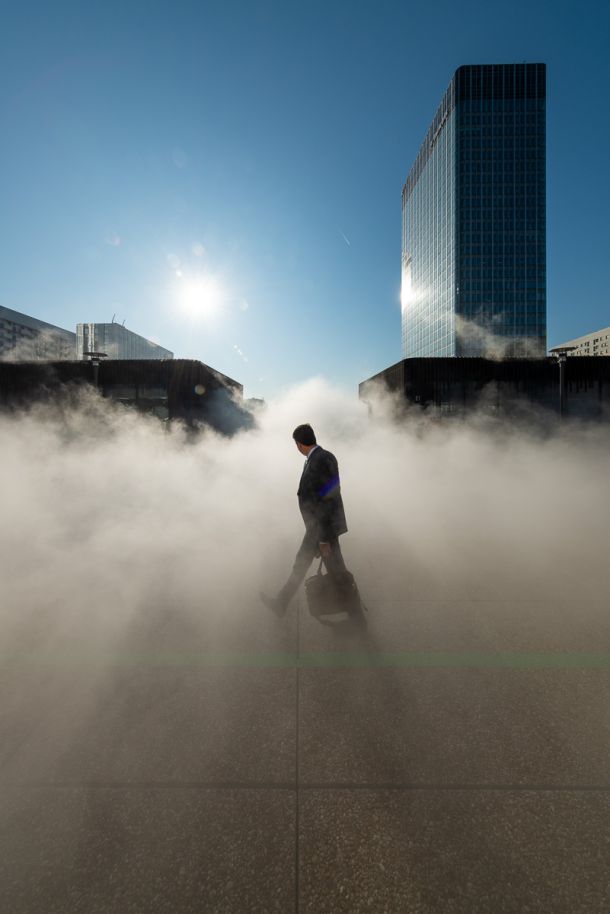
x=321, y=507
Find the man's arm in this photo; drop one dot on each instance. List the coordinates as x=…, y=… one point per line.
x=327, y=490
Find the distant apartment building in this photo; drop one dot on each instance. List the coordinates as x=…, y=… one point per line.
x=25, y=338
x=116, y=342
x=596, y=343
x=474, y=220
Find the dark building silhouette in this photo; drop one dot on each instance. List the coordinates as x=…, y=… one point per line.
x=449, y=386
x=171, y=389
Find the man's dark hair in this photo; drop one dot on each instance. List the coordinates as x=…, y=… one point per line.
x=304, y=434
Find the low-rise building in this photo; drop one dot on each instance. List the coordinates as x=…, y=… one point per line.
x=458, y=386
x=171, y=389
x=596, y=343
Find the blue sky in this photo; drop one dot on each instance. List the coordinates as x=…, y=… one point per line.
x=226, y=177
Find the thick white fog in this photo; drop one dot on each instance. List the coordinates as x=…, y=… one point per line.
x=107, y=518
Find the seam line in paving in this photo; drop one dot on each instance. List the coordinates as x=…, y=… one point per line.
x=290, y=786
x=565, y=788
x=296, y=765
x=523, y=660
x=148, y=785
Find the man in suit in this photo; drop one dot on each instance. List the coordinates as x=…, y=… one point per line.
x=321, y=507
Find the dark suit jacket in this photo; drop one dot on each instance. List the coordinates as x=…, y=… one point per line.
x=320, y=496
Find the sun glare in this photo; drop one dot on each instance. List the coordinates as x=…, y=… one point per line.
x=201, y=297
x=406, y=289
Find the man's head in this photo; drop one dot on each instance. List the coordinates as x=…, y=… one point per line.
x=304, y=438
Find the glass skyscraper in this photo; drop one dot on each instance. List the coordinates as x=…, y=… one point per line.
x=474, y=220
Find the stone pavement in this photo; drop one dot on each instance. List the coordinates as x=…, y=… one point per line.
x=453, y=757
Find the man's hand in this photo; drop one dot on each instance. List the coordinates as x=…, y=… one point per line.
x=324, y=550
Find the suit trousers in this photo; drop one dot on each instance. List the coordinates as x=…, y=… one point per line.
x=308, y=550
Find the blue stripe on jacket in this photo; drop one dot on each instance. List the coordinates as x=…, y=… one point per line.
x=329, y=487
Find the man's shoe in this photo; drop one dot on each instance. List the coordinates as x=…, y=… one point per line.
x=274, y=604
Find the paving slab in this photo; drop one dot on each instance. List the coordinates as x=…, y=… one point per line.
x=143, y=631
x=455, y=852
x=134, y=851
x=246, y=625
x=391, y=574
x=147, y=725
x=456, y=727
x=464, y=625
x=156, y=771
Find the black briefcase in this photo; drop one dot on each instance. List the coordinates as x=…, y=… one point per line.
x=325, y=596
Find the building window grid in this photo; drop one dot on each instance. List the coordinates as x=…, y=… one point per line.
x=497, y=282
x=429, y=323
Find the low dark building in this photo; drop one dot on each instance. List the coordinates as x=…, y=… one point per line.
x=447, y=386
x=169, y=389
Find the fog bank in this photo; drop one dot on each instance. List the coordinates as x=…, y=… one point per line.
x=108, y=518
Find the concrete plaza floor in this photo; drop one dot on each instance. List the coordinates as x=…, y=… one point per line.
x=452, y=757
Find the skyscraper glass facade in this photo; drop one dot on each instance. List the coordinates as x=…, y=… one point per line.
x=474, y=220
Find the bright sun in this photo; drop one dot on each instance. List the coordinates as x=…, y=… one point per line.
x=201, y=297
